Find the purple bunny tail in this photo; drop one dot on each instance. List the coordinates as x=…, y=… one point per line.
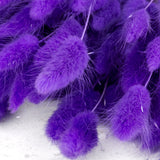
x=66, y=65
x=131, y=113
x=81, y=136
x=18, y=52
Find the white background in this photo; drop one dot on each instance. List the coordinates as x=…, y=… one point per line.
x=22, y=137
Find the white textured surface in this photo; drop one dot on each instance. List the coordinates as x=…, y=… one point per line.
x=22, y=137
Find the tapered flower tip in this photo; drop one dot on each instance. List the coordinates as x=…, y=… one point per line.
x=66, y=65
x=131, y=113
x=136, y=26
x=81, y=137
x=17, y=94
x=69, y=107
x=36, y=98
x=153, y=54
x=58, y=122
x=80, y=5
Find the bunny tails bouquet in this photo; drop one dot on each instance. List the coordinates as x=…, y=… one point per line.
x=99, y=58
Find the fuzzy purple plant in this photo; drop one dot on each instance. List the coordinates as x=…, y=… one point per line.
x=81, y=136
x=66, y=65
x=69, y=107
x=45, y=53
x=36, y=98
x=18, y=52
x=99, y=58
x=137, y=25
x=153, y=54
x=105, y=14
x=40, y=9
x=58, y=122
x=131, y=113
x=18, y=24
x=152, y=142
x=18, y=93
x=131, y=6
x=134, y=69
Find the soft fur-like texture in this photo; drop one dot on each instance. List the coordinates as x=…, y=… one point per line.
x=95, y=70
x=44, y=54
x=66, y=65
x=18, y=52
x=69, y=107
x=58, y=122
x=136, y=26
x=131, y=6
x=29, y=74
x=106, y=15
x=131, y=113
x=20, y=23
x=18, y=94
x=135, y=69
x=11, y=8
x=22, y=86
x=153, y=143
x=72, y=26
x=81, y=136
x=153, y=54
x=154, y=12
x=40, y=9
